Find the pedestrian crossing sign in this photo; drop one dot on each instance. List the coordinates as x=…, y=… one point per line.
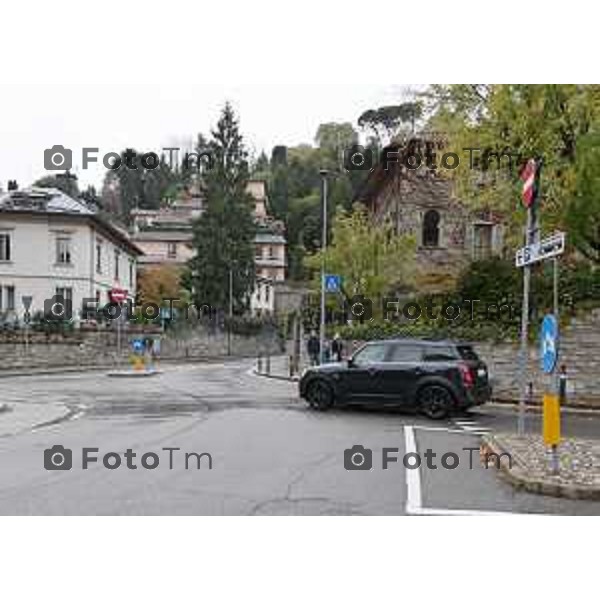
x=333, y=283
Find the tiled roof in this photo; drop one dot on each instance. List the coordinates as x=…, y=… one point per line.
x=47, y=200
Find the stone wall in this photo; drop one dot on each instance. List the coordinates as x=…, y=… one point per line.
x=579, y=352
x=99, y=348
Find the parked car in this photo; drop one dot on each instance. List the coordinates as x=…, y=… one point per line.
x=435, y=378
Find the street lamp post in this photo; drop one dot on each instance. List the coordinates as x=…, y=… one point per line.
x=324, y=173
x=230, y=310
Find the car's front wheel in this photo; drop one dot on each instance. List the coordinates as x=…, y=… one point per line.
x=435, y=402
x=319, y=395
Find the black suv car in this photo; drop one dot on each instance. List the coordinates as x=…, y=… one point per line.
x=435, y=378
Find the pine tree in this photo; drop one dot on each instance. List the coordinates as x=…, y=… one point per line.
x=224, y=234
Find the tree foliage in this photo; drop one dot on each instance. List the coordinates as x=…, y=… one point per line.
x=523, y=121
x=224, y=234
x=387, y=122
x=65, y=182
x=371, y=260
x=156, y=284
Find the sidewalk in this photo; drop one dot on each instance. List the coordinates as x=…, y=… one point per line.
x=275, y=367
x=579, y=460
x=17, y=417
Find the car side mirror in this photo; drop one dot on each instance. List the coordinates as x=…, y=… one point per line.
x=350, y=363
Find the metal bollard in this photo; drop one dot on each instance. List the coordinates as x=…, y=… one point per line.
x=259, y=364
x=562, y=385
x=268, y=364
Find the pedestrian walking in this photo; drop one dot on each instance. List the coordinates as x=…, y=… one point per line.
x=337, y=348
x=314, y=348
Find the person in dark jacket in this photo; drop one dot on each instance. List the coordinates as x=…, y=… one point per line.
x=314, y=348
x=337, y=348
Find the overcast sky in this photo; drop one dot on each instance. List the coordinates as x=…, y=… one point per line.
x=150, y=117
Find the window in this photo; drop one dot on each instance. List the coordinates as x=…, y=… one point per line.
x=172, y=250
x=117, y=259
x=63, y=251
x=99, y=258
x=431, y=229
x=10, y=297
x=405, y=353
x=267, y=292
x=131, y=273
x=66, y=293
x=257, y=252
x=372, y=353
x=440, y=354
x=5, y=246
x=482, y=240
x=271, y=252
x=7, y=297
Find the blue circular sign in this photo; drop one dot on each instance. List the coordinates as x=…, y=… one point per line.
x=549, y=343
x=138, y=345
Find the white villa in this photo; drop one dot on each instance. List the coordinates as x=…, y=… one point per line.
x=52, y=244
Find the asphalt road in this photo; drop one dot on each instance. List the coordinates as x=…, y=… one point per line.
x=269, y=454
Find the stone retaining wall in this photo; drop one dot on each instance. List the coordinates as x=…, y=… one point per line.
x=100, y=348
x=579, y=352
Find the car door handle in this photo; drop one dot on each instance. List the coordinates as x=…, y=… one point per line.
x=419, y=371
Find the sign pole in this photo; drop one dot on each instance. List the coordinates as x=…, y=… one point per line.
x=524, y=329
x=554, y=462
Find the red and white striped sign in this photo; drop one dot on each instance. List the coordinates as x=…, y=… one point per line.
x=529, y=177
x=118, y=295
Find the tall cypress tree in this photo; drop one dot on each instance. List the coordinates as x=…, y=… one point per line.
x=224, y=234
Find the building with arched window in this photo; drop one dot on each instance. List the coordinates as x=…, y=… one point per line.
x=423, y=204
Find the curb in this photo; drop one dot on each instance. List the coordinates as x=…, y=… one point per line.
x=110, y=367
x=273, y=376
x=593, y=405
x=519, y=479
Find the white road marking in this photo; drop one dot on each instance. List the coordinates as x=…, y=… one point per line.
x=414, y=505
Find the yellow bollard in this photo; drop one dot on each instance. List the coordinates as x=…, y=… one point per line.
x=551, y=420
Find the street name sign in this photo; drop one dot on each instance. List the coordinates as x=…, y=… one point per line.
x=547, y=248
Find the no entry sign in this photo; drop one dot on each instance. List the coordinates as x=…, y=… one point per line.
x=118, y=295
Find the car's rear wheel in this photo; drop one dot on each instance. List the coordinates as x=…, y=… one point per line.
x=319, y=395
x=435, y=401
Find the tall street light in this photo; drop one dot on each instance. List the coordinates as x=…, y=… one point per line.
x=324, y=173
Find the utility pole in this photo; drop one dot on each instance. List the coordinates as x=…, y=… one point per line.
x=324, y=173
x=230, y=311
